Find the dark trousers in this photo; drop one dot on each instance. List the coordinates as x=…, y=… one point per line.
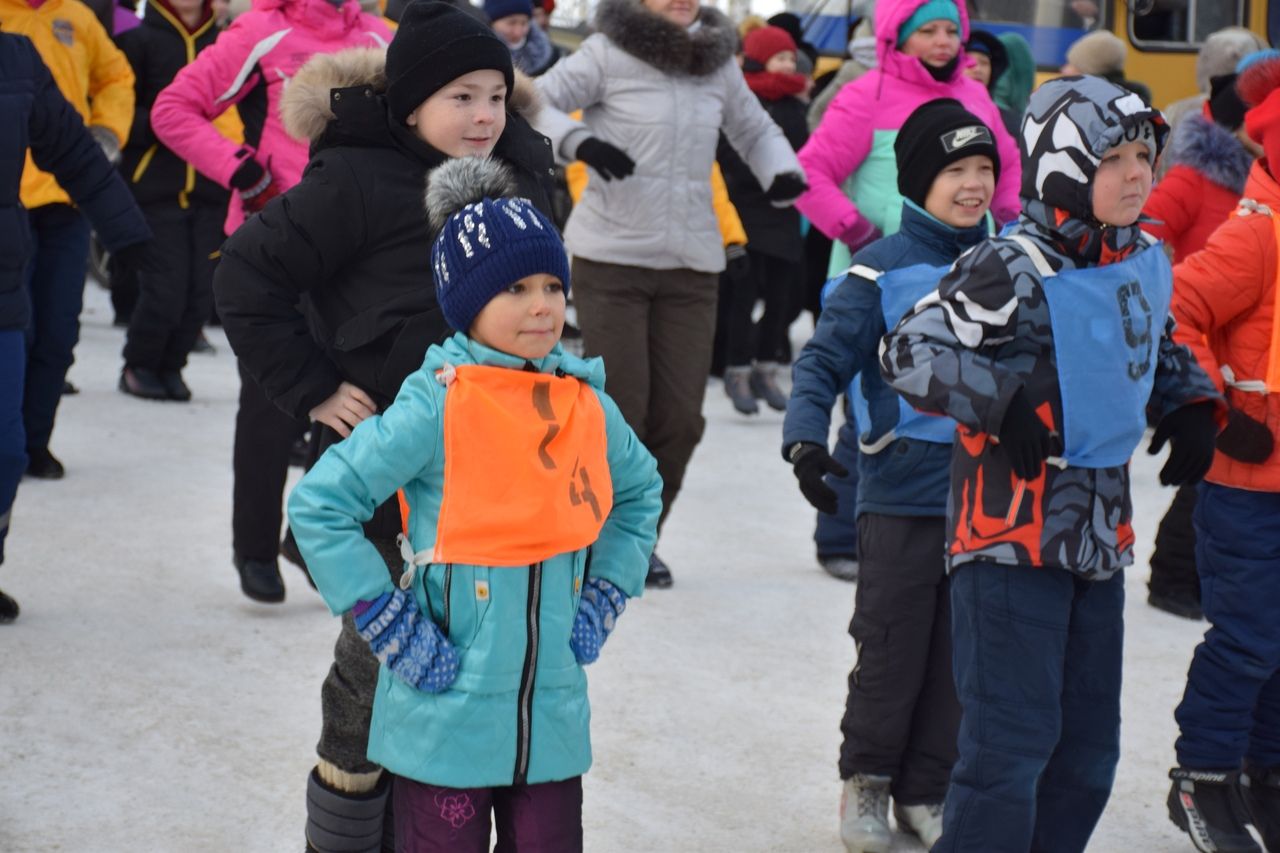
x=13, y=439
x=260, y=460
x=174, y=300
x=654, y=329
x=1037, y=667
x=545, y=818
x=55, y=283
x=838, y=534
x=1231, y=708
x=901, y=714
x=1173, y=564
x=775, y=281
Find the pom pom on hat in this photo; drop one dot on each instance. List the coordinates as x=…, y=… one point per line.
x=488, y=239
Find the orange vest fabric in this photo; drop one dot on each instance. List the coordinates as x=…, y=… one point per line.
x=526, y=473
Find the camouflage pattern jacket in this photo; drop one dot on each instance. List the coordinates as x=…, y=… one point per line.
x=965, y=350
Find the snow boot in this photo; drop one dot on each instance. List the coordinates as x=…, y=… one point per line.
x=1206, y=805
x=343, y=822
x=864, y=814
x=764, y=384
x=924, y=821
x=143, y=383
x=260, y=579
x=840, y=566
x=43, y=465
x=737, y=384
x=1261, y=790
x=175, y=387
x=8, y=608
x=659, y=575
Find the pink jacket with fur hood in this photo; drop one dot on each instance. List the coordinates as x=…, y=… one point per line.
x=250, y=64
x=857, y=133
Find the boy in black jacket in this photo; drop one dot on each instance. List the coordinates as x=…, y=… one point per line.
x=183, y=208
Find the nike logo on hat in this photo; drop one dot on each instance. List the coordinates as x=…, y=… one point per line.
x=964, y=137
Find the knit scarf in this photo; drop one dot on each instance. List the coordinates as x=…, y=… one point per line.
x=773, y=86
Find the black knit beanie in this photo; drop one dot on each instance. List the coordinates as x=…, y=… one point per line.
x=936, y=135
x=1225, y=104
x=436, y=44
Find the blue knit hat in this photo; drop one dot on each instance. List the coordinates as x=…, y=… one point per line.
x=931, y=10
x=488, y=240
x=496, y=9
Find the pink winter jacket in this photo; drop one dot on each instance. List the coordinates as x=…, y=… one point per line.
x=250, y=64
x=857, y=133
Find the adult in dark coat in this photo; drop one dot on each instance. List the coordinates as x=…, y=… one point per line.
x=35, y=115
x=328, y=300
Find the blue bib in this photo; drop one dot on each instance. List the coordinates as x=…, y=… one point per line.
x=1107, y=324
x=900, y=290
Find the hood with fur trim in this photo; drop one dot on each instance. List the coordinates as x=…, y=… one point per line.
x=698, y=51
x=1211, y=150
x=307, y=105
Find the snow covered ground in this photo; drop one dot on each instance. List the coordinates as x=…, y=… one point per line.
x=146, y=705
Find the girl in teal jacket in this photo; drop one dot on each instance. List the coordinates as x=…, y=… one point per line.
x=530, y=512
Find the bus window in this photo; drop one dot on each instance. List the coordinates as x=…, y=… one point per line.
x=1049, y=26
x=1184, y=23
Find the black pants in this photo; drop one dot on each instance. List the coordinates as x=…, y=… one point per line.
x=260, y=458
x=901, y=716
x=1173, y=565
x=775, y=281
x=174, y=300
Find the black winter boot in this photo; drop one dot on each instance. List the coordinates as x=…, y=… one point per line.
x=174, y=386
x=1261, y=790
x=260, y=579
x=43, y=465
x=1206, y=805
x=342, y=822
x=143, y=382
x=8, y=608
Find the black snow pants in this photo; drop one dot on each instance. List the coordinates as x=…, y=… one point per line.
x=901, y=716
x=1173, y=564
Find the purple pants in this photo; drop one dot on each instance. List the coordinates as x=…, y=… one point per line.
x=545, y=818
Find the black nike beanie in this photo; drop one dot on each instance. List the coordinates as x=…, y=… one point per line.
x=936, y=135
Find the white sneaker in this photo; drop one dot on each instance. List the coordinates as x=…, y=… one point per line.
x=864, y=814
x=925, y=820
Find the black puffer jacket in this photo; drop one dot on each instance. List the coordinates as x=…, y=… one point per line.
x=158, y=49
x=332, y=281
x=34, y=114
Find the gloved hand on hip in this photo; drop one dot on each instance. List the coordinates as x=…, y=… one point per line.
x=810, y=462
x=1246, y=439
x=1024, y=439
x=253, y=183
x=406, y=642
x=608, y=160
x=598, y=609
x=1191, y=431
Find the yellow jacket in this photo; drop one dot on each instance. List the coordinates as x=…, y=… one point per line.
x=89, y=69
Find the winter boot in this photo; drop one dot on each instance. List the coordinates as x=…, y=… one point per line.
x=174, y=387
x=764, y=384
x=1206, y=805
x=143, y=382
x=864, y=814
x=43, y=465
x=737, y=384
x=8, y=608
x=924, y=821
x=1261, y=790
x=260, y=579
x=344, y=822
x=659, y=575
x=840, y=566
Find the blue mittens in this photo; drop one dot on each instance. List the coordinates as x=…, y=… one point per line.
x=601, y=604
x=412, y=647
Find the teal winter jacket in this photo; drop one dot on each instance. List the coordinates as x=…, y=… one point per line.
x=518, y=711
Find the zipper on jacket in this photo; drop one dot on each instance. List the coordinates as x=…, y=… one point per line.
x=448, y=584
x=524, y=702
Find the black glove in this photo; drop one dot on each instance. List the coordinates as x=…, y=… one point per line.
x=247, y=175
x=786, y=188
x=1246, y=439
x=139, y=258
x=1024, y=438
x=737, y=263
x=610, y=161
x=1191, y=430
x=810, y=462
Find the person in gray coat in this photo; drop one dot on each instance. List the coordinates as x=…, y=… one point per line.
x=656, y=83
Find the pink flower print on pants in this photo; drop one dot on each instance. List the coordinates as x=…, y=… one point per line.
x=457, y=810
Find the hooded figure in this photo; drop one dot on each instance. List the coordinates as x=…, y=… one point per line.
x=1046, y=345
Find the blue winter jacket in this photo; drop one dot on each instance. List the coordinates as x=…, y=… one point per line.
x=478, y=733
x=34, y=114
x=907, y=477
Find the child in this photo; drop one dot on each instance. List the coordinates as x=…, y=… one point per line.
x=535, y=508
x=774, y=244
x=1045, y=346
x=901, y=714
x=1229, y=717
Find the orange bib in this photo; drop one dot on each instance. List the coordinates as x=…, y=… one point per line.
x=526, y=475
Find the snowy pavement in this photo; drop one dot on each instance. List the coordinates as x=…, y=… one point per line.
x=146, y=705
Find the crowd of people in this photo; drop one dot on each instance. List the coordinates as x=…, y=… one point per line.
x=1010, y=286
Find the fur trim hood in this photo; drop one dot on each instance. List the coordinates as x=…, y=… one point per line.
x=305, y=106
x=1211, y=150
x=672, y=49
